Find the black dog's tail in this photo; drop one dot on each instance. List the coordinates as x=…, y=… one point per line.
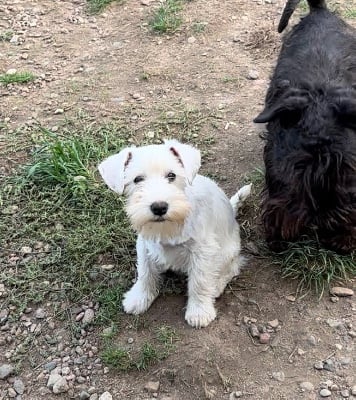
x=291, y=6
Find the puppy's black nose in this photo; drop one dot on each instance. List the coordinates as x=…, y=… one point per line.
x=159, y=208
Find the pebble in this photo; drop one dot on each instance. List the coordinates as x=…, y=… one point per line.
x=11, y=393
x=352, y=334
x=105, y=396
x=329, y=365
x=40, y=313
x=274, y=323
x=6, y=370
x=84, y=395
x=341, y=291
x=254, y=330
x=53, y=378
x=312, y=340
x=278, y=376
x=94, y=397
x=235, y=395
x=107, y=267
x=58, y=111
x=345, y=360
x=11, y=71
x=152, y=386
x=60, y=386
x=253, y=74
x=319, y=365
x=291, y=298
x=334, y=323
x=88, y=316
x=345, y=393
x=325, y=393
x=130, y=340
x=25, y=250
x=306, y=386
x=265, y=338
x=50, y=365
x=19, y=386
x=191, y=39
x=353, y=390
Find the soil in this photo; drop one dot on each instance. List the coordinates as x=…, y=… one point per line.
x=95, y=64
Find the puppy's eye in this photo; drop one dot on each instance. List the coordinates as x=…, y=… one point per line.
x=171, y=176
x=139, y=179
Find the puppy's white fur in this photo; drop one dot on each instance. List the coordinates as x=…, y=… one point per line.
x=198, y=234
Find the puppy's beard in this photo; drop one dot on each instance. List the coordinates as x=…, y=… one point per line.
x=149, y=225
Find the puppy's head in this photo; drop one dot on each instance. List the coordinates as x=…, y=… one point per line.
x=154, y=178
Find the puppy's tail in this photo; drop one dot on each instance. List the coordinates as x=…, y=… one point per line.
x=290, y=7
x=237, y=199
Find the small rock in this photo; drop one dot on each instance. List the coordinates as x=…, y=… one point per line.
x=353, y=390
x=300, y=351
x=306, y=386
x=40, y=313
x=291, y=298
x=25, y=250
x=19, y=386
x=107, y=267
x=84, y=395
x=88, y=316
x=319, y=365
x=61, y=386
x=345, y=360
x=53, y=378
x=253, y=74
x=274, y=323
x=334, y=299
x=341, y=291
x=11, y=71
x=278, y=376
x=130, y=340
x=325, y=393
x=58, y=111
x=265, y=338
x=11, y=393
x=312, y=340
x=254, y=331
x=345, y=393
x=50, y=366
x=334, y=323
x=352, y=334
x=191, y=39
x=170, y=114
x=94, y=396
x=152, y=386
x=6, y=370
x=105, y=396
x=329, y=365
x=235, y=395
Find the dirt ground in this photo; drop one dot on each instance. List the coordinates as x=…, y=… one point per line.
x=104, y=64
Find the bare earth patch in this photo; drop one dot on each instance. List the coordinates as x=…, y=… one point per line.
x=205, y=82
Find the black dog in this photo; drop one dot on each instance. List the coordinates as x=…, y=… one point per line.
x=310, y=150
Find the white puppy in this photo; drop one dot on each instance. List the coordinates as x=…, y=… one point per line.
x=184, y=222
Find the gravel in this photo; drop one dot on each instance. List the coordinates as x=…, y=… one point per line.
x=325, y=393
x=6, y=370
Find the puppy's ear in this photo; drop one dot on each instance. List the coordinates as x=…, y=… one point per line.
x=188, y=156
x=112, y=169
x=293, y=101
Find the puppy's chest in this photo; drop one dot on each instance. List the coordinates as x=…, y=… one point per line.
x=174, y=257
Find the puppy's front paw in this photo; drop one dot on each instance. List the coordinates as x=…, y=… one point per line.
x=200, y=314
x=137, y=300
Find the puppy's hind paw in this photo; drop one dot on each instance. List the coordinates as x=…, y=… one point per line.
x=137, y=301
x=199, y=315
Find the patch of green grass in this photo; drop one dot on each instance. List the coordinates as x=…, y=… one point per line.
x=166, y=18
x=313, y=266
x=6, y=36
x=199, y=27
x=141, y=357
x=17, y=77
x=96, y=6
x=117, y=357
x=350, y=13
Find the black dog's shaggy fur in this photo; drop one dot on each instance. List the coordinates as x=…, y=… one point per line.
x=310, y=150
